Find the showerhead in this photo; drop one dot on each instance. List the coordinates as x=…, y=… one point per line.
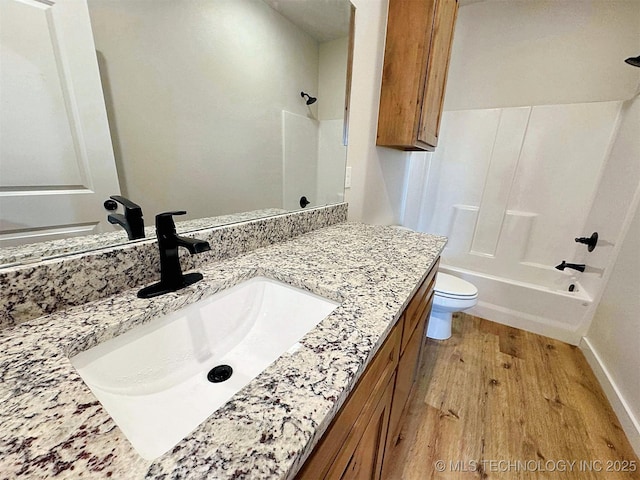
x=635, y=61
x=310, y=100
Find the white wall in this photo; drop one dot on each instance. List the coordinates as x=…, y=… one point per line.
x=538, y=52
x=613, y=340
x=377, y=173
x=201, y=131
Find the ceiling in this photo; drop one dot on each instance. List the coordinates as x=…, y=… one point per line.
x=324, y=20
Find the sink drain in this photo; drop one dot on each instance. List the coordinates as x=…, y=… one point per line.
x=220, y=373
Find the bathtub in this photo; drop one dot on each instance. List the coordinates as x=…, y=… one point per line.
x=546, y=308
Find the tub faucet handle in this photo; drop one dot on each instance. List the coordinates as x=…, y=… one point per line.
x=591, y=241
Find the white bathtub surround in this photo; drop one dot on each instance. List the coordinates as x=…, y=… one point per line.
x=331, y=163
x=512, y=188
x=615, y=201
x=299, y=159
x=51, y=422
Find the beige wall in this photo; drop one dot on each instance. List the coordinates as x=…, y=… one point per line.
x=332, y=78
x=195, y=91
x=511, y=53
x=377, y=173
x=332, y=152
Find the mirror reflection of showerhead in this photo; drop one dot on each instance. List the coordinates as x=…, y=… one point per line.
x=635, y=61
x=310, y=100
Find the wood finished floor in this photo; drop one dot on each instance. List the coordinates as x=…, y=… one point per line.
x=496, y=395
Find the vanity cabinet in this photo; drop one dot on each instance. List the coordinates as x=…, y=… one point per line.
x=356, y=438
x=416, y=61
x=415, y=324
x=353, y=446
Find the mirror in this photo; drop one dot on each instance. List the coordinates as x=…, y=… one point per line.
x=206, y=112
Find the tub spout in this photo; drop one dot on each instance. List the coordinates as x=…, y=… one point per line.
x=576, y=266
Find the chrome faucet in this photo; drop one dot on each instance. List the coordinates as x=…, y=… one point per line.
x=171, y=276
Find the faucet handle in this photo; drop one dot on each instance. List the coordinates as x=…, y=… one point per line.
x=591, y=241
x=164, y=221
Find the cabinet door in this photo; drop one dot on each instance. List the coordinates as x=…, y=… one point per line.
x=409, y=33
x=336, y=448
x=366, y=461
x=445, y=19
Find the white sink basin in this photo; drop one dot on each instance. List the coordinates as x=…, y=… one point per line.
x=153, y=379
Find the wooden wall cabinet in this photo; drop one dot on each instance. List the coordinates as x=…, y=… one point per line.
x=353, y=446
x=416, y=61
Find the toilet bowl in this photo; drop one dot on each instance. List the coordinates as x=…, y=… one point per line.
x=452, y=294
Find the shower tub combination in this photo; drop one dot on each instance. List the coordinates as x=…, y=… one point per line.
x=546, y=307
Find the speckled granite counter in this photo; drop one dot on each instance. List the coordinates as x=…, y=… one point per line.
x=52, y=425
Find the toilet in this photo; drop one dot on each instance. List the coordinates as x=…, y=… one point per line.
x=452, y=294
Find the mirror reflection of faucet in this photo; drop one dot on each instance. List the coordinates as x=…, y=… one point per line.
x=171, y=276
x=131, y=221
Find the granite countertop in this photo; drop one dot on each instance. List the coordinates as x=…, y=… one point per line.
x=53, y=426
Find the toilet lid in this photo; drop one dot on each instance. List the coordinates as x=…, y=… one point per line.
x=454, y=287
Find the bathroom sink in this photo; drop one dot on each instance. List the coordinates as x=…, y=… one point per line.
x=159, y=381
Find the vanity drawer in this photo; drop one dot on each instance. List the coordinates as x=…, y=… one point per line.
x=418, y=306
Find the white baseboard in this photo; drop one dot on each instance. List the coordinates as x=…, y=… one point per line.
x=629, y=423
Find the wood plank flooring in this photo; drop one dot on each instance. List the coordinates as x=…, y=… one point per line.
x=496, y=402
